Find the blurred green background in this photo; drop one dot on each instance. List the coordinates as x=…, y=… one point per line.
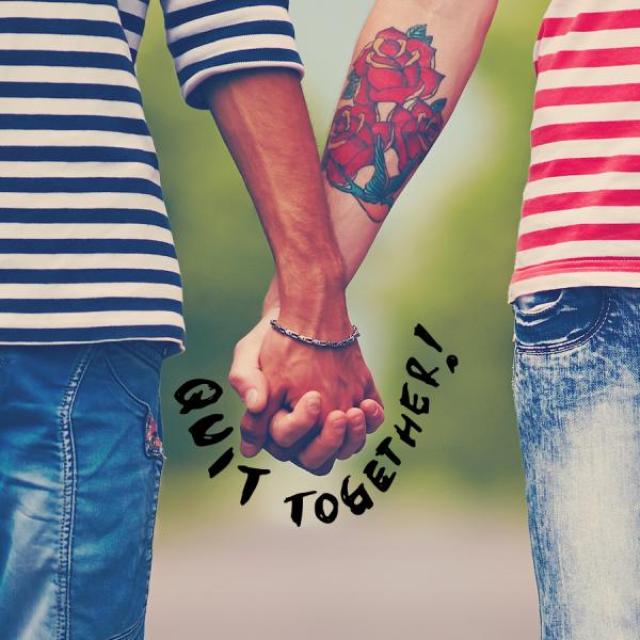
x=444, y=258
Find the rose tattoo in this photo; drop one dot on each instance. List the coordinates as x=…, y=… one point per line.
x=384, y=126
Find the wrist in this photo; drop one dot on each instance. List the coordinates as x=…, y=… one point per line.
x=321, y=313
x=317, y=342
x=271, y=302
x=296, y=274
x=309, y=282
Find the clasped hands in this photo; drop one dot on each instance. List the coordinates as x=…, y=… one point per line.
x=305, y=404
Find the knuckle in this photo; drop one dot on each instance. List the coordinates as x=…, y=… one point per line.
x=277, y=452
x=249, y=437
x=234, y=378
x=309, y=462
x=322, y=469
x=250, y=429
x=359, y=430
x=283, y=439
x=239, y=346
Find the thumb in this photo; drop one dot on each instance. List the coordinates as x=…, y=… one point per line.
x=245, y=375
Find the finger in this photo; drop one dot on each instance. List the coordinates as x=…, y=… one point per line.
x=327, y=444
x=253, y=427
x=278, y=452
x=372, y=406
x=371, y=392
x=373, y=414
x=287, y=427
x=246, y=376
x=355, y=436
x=320, y=471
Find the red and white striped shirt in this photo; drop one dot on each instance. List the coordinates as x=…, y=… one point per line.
x=580, y=222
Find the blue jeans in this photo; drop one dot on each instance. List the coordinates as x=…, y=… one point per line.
x=576, y=382
x=80, y=463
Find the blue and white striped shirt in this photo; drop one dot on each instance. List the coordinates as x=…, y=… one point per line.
x=86, y=249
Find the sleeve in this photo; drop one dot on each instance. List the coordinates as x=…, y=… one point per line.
x=207, y=37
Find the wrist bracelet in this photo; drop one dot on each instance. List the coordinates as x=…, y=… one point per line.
x=328, y=344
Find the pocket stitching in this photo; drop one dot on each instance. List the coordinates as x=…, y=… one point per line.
x=576, y=342
x=534, y=314
x=152, y=452
x=124, y=387
x=125, y=344
x=128, y=633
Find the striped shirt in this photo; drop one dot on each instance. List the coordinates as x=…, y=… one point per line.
x=580, y=223
x=86, y=249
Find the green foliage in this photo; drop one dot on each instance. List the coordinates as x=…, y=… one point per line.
x=438, y=105
x=352, y=84
x=376, y=188
x=419, y=31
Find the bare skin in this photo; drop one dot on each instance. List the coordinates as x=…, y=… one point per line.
x=263, y=118
x=418, y=55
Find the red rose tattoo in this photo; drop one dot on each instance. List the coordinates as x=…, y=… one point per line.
x=396, y=68
x=370, y=156
x=416, y=129
x=351, y=142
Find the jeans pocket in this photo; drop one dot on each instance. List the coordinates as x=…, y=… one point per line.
x=135, y=367
x=150, y=351
x=558, y=319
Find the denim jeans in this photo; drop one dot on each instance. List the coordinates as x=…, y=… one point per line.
x=576, y=383
x=80, y=463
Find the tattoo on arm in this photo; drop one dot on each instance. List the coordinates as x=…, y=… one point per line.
x=386, y=120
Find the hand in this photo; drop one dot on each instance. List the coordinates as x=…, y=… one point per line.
x=301, y=434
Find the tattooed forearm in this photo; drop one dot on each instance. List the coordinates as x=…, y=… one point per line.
x=388, y=118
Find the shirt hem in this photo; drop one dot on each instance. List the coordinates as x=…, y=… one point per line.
x=572, y=279
x=174, y=346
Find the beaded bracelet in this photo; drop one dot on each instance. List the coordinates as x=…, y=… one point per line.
x=327, y=344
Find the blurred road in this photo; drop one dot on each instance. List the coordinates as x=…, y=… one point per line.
x=441, y=576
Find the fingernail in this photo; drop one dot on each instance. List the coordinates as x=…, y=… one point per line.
x=248, y=450
x=314, y=404
x=341, y=422
x=252, y=397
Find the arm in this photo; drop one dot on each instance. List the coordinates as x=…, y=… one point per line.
x=411, y=63
x=411, y=95
x=263, y=118
x=264, y=121
x=241, y=64
x=399, y=94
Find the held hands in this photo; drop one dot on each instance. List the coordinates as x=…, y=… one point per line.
x=305, y=404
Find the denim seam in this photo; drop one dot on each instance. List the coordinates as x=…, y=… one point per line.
x=144, y=405
x=576, y=342
x=513, y=368
x=128, y=634
x=138, y=353
x=536, y=314
x=151, y=523
x=69, y=495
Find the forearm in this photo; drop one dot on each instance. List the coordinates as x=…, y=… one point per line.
x=392, y=107
x=399, y=103
x=263, y=118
